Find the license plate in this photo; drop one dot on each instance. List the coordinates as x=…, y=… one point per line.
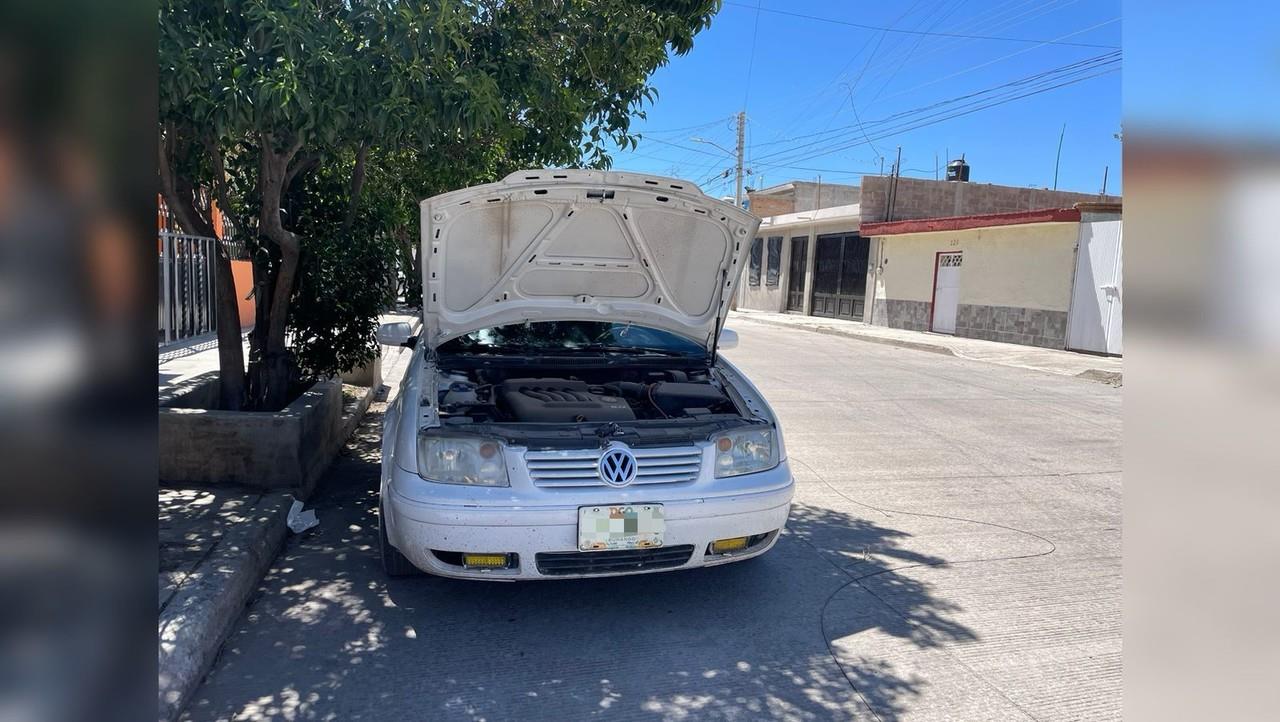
x=621, y=526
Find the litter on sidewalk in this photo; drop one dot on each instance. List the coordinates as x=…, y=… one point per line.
x=299, y=520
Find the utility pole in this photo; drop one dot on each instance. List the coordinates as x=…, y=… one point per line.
x=737, y=193
x=1105, y=170
x=1058, y=159
x=892, y=198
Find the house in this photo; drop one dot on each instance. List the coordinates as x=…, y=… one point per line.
x=1048, y=277
x=822, y=260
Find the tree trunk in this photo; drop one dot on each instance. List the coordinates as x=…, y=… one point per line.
x=357, y=184
x=276, y=366
x=231, y=376
x=180, y=196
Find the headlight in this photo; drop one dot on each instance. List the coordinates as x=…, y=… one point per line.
x=461, y=460
x=745, y=451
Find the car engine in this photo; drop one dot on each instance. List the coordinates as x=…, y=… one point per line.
x=484, y=396
x=560, y=400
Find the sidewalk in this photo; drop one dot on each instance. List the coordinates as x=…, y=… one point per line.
x=1066, y=363
x=184, y=361
x=216, y=543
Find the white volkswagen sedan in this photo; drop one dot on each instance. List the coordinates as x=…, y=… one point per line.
x=566, y=413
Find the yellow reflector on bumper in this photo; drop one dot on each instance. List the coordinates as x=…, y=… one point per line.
x=485, y=561
x=721, y=546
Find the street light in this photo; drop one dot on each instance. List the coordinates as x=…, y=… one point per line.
x=710, y=142
x=737, y=168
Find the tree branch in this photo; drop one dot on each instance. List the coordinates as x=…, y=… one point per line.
x=357, y=184
x=179, y=199
x=305, y=164
x=220, y=182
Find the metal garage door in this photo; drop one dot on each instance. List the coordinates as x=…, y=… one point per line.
x=795, y=273
x=1095, y=322
x=840, y=276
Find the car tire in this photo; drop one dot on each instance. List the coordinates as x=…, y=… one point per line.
x=394, y=563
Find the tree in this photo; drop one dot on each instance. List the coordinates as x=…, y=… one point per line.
x=258, y=95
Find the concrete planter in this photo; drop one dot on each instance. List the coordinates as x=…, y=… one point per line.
x=285, y=450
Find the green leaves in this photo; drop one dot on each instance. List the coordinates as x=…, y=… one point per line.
x=448, y=93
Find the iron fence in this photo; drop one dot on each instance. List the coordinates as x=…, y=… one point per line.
x=187, y=289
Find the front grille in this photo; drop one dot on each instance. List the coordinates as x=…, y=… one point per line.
x=623, y=560
x=578, y=467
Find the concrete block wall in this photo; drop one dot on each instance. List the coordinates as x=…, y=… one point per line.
x=803, y=196
x=810, y=196
x=764, y=206
x=923, y=198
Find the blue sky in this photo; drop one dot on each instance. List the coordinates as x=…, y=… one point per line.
x=797, y=84
x=1180, y=77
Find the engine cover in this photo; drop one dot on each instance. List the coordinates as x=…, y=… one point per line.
x=560, y=401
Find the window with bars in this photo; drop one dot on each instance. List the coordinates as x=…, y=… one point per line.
x=753, y=272
x=774, y=268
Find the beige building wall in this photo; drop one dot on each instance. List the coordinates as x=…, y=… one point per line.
x=1015, y=281
x=810, y=225
x=765, y=297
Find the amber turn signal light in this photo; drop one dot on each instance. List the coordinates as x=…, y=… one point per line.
x=485, y=561
x=724, y=546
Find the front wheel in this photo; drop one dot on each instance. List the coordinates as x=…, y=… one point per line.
x=394, y=563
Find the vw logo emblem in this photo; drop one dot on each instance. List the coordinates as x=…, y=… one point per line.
x=617, y=467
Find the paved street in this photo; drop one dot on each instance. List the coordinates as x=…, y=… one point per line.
x=953, y=553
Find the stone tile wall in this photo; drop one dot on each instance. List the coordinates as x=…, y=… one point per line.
x=1027, y=326
x=910, y=315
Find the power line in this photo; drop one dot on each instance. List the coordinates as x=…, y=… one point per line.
x=752, y=61
x=952, y=75
x=932, y=119
x=920, y=39
x=841, y=73
x=1002, y=57
x=688, y=128
x=1106, y=58
x=919, y=32
x=685, y=147
x=909, y=126
x=1000, y=19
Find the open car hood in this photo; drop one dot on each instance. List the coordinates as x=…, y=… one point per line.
x=581, y=245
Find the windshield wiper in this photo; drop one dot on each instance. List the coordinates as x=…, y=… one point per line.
x=633, y=350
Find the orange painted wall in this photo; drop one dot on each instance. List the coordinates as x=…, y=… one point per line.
x=242, y=272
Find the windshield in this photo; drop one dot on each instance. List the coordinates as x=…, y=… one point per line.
x=572, y=336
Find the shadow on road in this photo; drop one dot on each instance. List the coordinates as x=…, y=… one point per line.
x=331, y=636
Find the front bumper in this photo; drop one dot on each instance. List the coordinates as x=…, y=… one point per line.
x=417, y=527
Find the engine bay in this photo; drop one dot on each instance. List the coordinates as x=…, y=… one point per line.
x=580, y=395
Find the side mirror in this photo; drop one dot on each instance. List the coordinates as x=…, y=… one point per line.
x=728, y=339
x=399, y=333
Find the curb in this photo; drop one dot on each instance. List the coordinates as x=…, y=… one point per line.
x=900, y=343
x=1112, y=378
x=199, y=617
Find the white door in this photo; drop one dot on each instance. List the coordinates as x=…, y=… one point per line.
x=946, y=292
x=1096, y=320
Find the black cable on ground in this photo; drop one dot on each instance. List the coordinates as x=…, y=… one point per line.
x=822, y=615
